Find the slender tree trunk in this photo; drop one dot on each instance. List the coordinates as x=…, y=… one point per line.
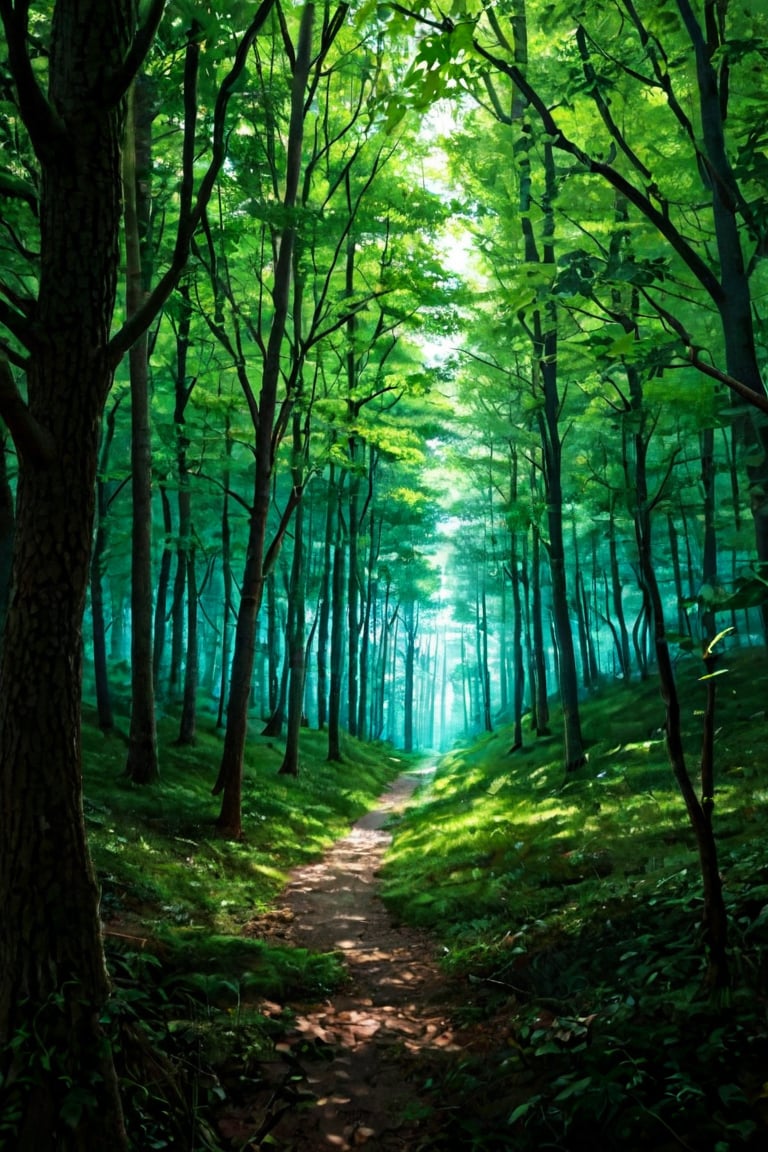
x=177, y=623
x=374, y=536
x=226, y=572
x=518, y=664
x=539, y=650
x=273, y=645
x=230, y=778
x=353, y=595
x=410, y=628
x=186, y=547
x=683, y=623
x=582, y=625
x=324, y=607
x=279, y=661
x=142, y=763
x=98, y=571
x=483, y=670
x=444, y=696
x=622, y=638
x=699, y=811
x=709, y=550
x=188, y=721
x=296, y=630
x=161, y=597
x=337, y=634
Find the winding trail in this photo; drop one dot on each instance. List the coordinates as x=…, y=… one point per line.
x=371, y=1046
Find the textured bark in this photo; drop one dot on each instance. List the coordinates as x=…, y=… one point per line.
x=53, y=982
x=6, y=529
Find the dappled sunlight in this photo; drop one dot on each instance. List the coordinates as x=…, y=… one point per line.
x=352, y=1045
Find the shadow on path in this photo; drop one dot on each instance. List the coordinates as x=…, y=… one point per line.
x=373, y=1042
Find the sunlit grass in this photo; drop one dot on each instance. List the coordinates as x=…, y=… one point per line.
x=507, y=838
x=164, y=875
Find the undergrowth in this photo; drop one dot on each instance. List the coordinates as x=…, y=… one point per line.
x=569, y=912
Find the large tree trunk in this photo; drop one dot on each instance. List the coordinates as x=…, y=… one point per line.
x=53, y=982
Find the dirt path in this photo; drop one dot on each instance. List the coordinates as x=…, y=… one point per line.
x=372, y=1045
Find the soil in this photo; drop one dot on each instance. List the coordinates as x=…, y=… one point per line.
x=358, y=1063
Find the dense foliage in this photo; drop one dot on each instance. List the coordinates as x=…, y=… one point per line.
x=391, y=372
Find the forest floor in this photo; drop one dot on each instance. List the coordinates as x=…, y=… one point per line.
x=359, y=1063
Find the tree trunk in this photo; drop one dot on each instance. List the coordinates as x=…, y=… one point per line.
x=374, y=536
x=98, y=569
x=226, y=572
x=186, y=548
x=539, y=652
x=622, y=638
x=296, y=630
x=410, y=626
x=161, y=597
x=709, y=549
x=230, y=778
x=6, y=530
x=337, y=634
x=188, y=720
x=142, y=763
x=518, y=664
x=53, y=981
x=324, y=608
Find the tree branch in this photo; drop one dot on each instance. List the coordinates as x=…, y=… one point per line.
x=693, y=354
x=32, y=442
x=696, y=265
x=120, y=81
x=46, y=130
x=188, y=223
x=18, y=189
x=16, y=323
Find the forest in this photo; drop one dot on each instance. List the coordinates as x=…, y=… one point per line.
x=383, y=575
